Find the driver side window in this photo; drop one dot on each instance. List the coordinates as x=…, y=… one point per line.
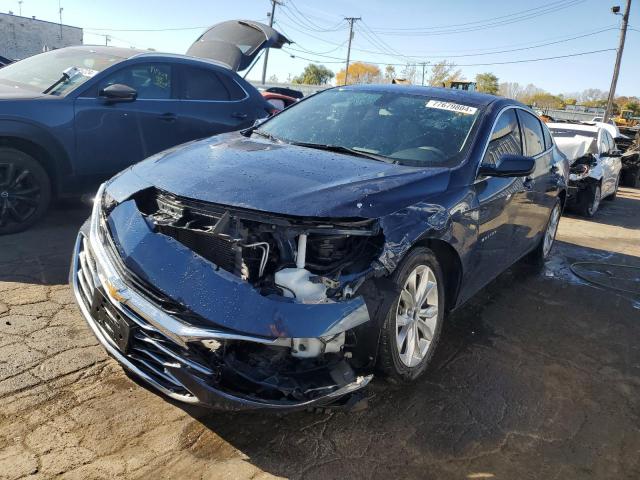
x=505, y=138
x=152, y=81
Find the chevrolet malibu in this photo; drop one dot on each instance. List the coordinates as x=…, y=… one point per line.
x=282, y=266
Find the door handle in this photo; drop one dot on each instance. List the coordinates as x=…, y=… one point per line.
x=168, y=117
x=528, y=183
x=239, y=115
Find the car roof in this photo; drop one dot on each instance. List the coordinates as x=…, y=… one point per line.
x=127, y=53
x=452, y=94
x=578, y=127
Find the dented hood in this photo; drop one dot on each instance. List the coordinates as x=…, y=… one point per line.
x=284, y=179
x=236, y=43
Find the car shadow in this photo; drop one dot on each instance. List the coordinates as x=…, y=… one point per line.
x=42, y=254
x=484, y=383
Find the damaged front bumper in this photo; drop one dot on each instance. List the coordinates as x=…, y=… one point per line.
x=172, y=355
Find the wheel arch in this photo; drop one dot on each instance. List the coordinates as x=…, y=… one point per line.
x=451, y=265
x=36, y=142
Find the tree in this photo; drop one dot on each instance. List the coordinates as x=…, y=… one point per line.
x=273, y=79
x=409, y=72
x=633, y=106
x=546, y=101
x=314, y=74
x=570, y=101
x=443, y=72
x=591, y=96
x=510, y=90
x=487, y=83
x=360, y=72
x=389, y=73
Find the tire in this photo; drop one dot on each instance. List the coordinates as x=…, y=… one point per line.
x=542, y=252
x=394, y=364
x=614, y=195
x=25, y=191
x=589, y=199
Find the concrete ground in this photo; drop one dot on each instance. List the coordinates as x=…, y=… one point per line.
x=538, y=377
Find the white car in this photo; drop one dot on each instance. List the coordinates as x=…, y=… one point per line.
x=594, y=163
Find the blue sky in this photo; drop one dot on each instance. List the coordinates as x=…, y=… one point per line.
x=317, y=27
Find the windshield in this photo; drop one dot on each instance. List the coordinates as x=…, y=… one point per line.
x=40, y=72
x=409, y=129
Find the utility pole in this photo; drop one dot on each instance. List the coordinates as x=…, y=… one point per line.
x=616, y=68
x=266, y=54
x=424, y=64
x=20, y=7
x=351, y=21
x=60, y=12
x=107, y=39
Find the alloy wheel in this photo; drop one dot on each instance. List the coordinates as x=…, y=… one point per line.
x=597, y=193
x=19, y=194
x=417, y=315
x=552, y=228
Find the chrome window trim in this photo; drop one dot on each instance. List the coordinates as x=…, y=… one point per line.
x=493, y=126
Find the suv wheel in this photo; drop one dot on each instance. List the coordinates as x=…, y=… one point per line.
x=25, y=191
x=412, y=326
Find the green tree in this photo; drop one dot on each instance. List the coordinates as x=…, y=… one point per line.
x=443, y=72
x=545, y=101
x=633, y=106
x=570, y=101
x=487, y=83
x=314, y=74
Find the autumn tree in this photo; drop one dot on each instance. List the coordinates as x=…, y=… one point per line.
x=360, y=72
x=314, y=74
x=487, y=83
x=443, y=72
x=570, y=101
x=545, y=101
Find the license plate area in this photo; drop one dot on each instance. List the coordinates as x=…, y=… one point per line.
x=118, y=328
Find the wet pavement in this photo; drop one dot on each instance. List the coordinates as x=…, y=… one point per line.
x=537, y=377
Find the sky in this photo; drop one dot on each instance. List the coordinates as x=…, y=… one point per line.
x=468, y=32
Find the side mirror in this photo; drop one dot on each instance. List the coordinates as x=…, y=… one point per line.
x=118, y=93
x=509, y=166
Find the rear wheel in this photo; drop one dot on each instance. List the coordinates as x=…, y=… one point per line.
x=25, y=191
x=412, y=326
x=589, y=200
x=543, y=250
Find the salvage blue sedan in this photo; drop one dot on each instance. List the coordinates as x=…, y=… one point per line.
x=280, y=267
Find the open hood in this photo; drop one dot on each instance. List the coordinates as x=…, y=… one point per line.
x=236, y=43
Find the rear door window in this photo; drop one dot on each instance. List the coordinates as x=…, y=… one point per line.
x=531, y=134
x=207, y=84
x=505, y=138
x=548, y=141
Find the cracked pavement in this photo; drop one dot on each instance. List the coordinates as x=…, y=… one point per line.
x=537, y=377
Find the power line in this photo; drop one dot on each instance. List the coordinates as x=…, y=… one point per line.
x=307, y=16
x=530, y=60
x=480, y=27
x=144, y=29
x=492, y=19
x=296, y=16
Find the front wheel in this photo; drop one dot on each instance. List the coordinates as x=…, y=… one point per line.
x=589, y=200
x=25, y=191
x=413, y=323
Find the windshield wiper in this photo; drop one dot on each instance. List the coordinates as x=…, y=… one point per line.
x=349, y=151
x=266, y=135
x=66, y=76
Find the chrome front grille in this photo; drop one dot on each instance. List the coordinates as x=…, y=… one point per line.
x=149, y=350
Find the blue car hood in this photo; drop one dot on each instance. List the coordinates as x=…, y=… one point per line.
x=284, y=179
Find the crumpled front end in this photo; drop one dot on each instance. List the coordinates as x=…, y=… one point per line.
x=223, y=307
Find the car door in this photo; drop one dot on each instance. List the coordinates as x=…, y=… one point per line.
x=499, y=204
x=111, y=136
x=609, y=164
x=540, y=186
x=211, y=102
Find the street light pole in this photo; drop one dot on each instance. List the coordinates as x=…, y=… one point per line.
x=266, y=54
x=351, y=20
x=616, y=68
